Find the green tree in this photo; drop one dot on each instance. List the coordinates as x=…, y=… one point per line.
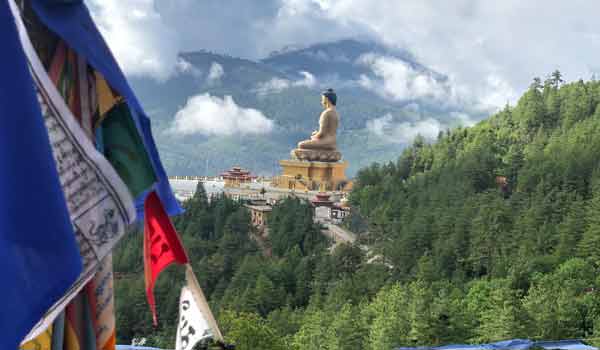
x=589, y=247
x=345, y=331
x=312, y=333
x=571, y=230
x=389, y=326
x=560, y=304
x=248, y=331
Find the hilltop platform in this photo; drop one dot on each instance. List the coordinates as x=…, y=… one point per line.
x=316, y=155
x=302, y=175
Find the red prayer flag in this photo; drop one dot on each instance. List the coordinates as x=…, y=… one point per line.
x=162, y=246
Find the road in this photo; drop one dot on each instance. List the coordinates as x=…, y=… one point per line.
x=338, y=234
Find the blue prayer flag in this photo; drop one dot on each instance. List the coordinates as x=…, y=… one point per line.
x=40, y=258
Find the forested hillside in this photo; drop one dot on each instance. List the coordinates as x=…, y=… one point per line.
x=490, y=233
x=516, y=191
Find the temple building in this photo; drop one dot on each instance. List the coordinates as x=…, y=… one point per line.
x=259, y=214
x=236, y=176
x=339, y=211
x=328, y=211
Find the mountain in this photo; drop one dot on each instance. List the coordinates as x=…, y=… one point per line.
x=337, y=59
x=285, y=88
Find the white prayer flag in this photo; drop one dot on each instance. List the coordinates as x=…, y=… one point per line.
x=196, y=322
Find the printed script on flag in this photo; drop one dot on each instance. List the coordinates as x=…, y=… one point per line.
x=99, y=203
x=193, y=327
x=196, y=321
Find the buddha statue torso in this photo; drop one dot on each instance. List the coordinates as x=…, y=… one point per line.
x=325, y=137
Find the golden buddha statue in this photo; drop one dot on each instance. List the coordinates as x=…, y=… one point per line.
x=322, y=144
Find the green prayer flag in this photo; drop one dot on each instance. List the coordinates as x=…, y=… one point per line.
x=125, y=150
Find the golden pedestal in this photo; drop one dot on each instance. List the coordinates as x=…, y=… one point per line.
x=301, y=175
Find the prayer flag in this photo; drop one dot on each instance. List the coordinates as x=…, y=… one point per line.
x=71, y=21
x=97, y=201
x=40, y=258
x=196, y=321
x=162, y=246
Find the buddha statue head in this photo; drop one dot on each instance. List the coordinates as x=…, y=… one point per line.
x=328, y=99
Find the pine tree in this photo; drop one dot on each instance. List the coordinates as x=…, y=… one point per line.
x=531, y=107
x=312, y=333
x=249, y=332
x=389, y=326
x=570, y=230
x=577, y=104
x=503, y=319
x=345, y=332
x=267, y=297
x=589, y=247
x=557, y=78
x=560, y=304
x=422, y=320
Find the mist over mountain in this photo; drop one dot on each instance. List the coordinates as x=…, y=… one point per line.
x=218, y=111
x=334, y=59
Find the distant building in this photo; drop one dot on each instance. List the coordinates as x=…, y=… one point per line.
x=259, y=213
x=502, y=183
x=329, y=211
x=339, y=213
x=236, y=176
x=322, y=200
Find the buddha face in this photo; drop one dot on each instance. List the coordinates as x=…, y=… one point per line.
x=324, y=101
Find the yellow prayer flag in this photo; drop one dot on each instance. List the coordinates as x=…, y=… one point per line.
x=41, y=342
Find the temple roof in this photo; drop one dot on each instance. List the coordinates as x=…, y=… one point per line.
x=237, y=173
x=321, y=199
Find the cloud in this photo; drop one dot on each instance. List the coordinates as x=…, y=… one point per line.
x=261, y=26
x=321, y=55
x=185, y=67
x=478, y=42
x=308, y=80
x=215, y=73
x=397, y=80
x=462, y=119
x=274, y=85
x=497, y=92
x=404, y=132
x=211, y=115
x=277, y=85
x=490, y=50
x=141, y=42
